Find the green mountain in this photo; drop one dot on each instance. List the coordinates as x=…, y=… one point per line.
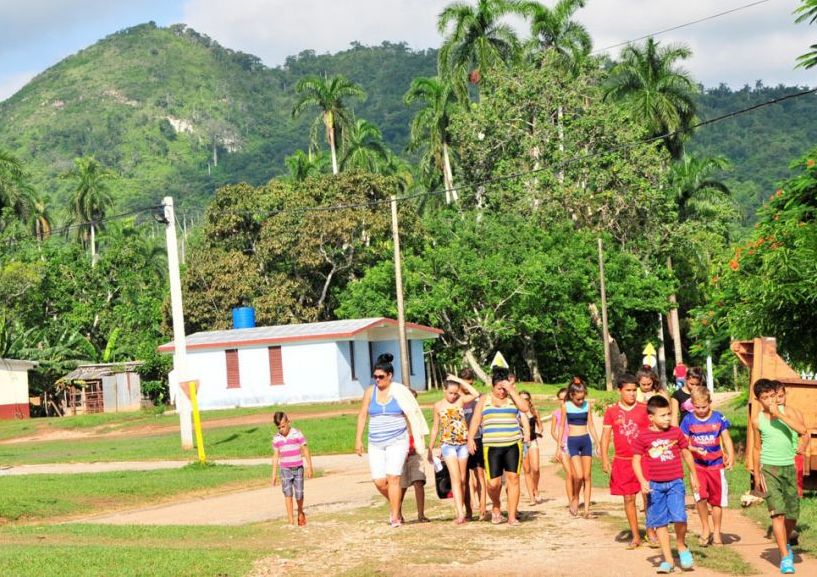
x=173, y=112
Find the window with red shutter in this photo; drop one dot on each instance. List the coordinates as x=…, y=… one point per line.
x=233, y=374
x=276, y=366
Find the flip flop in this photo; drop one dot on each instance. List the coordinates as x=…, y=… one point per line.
x=685, y=557
x=665, y=567
x=706, y=541
x=653, y=544
x=514, y=523
x=633, y=545
x=497, y=518
x=423, y=520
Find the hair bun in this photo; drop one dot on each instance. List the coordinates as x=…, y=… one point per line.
x=385, y=358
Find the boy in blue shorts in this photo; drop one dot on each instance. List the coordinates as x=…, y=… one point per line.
x=658, y=452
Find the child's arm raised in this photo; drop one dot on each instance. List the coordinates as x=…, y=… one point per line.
x=308, y=458
x=361, y=420
x=792, y=417
x=693, y=475
x=728, y=449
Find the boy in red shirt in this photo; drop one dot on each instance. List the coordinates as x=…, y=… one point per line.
x=622, y=422
x=658, y=451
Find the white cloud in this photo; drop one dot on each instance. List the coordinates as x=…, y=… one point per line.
x=11, y=83
x=759, y=42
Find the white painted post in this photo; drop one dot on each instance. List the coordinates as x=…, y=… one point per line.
x=183, y=406
x=398, y=281
x=710, y=378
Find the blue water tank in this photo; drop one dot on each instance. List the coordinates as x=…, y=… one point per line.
x=243, y=318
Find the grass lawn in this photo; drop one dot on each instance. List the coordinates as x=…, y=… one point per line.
x=28, y=498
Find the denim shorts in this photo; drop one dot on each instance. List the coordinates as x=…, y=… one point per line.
x=292, y=481
x=458, y=451
x=665, y=503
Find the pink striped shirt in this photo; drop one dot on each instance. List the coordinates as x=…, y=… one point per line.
x=289, y=448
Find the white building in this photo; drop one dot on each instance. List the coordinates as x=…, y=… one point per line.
x=326, y=361
x=14, y=388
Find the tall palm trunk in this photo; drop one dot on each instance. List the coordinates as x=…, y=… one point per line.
x=561, y=134
x=448, y=176
x=329, y=121
x=93, y=245
x=672, y=320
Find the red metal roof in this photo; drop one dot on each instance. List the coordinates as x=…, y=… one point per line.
x=282, y=334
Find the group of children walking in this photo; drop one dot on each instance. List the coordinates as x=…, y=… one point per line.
x=486, y=440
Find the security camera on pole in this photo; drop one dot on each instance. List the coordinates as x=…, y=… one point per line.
x=179, y=372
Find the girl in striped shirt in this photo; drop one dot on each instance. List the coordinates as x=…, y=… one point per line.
x=502, y=436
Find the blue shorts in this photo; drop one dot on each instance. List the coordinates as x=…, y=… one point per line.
x=665, y=504
x=581, y=446
x=458, y=451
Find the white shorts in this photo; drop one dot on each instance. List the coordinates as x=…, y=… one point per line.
x=388, y=460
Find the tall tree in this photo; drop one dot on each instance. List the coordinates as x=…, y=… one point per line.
x=40, y=219
x=16, y=193
x=554, y=29
x=807, y=11
x=363, y=147
x=652, y=85
x=696, y=188
x=327, y=94
x=302, y=165
x=478, y=40
x=429, y=128
x=92, y=198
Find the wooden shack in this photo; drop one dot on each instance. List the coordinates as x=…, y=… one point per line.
x=101, y=388
x=760, y=355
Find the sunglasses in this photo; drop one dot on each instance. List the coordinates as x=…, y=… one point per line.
x=379, y=377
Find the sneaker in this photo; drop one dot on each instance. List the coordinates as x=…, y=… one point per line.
x=787, y=566
x=665, y=567
x=685, y=557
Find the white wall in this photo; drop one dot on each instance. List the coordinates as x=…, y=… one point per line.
x=13, y=386
x=310, y=374
x=353, y=388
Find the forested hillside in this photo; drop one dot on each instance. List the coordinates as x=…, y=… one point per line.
x=172, y=112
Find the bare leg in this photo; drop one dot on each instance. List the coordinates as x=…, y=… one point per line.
x=533, y=454
x=703, y=513
x=663, y=539
x=394, y=493
x=481, y=490
x=512, y=480
x=467, y=478
x=463, y=464
x=529, y=478
x=290, y=512
x=781, y=536
x=420, y=497
x=565, y=461
x=587, y=464
x=681, y=536
x=632, y=517
x=495, y=493
x=382, y=486
x=717, y=516
x=453, y=465
x=578, y=476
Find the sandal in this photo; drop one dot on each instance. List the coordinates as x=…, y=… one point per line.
x=497, y=518
x=633, y=545
x=423, y=520
x=665, y=567
x=653, y=543
x=514, y=523
x=787, y=566
x=706, y=541
x=685, y=557
x=396, y=524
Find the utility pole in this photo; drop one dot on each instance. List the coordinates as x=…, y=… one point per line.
x=662, y=354
x=398, y=282
x=183, y=405
x=606, y=336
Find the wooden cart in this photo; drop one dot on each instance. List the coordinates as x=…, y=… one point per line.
x=760, y=355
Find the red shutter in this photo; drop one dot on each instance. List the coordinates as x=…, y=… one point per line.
x=276, y=366
x=233, y=374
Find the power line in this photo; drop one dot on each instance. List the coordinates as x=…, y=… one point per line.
x=684, y=25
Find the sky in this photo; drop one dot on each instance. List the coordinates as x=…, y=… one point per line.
x=758, y=43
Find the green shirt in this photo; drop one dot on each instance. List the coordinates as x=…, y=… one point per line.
x=778, y=441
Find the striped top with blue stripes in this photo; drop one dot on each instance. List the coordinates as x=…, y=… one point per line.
x=500, y=425
x=386, y=422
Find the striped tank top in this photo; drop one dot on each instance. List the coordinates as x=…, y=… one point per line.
x=500, y=425
x=386, y=422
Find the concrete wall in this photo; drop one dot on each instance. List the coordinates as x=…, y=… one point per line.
x=13, y=392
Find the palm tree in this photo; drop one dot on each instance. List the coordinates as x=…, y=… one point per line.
x=553, y=30
x=696, y=191
x=478, y=40
x=327, y=94
x=92, y=198
x=429, y=128
x=363, y=147
x=302, y=165
x=649, y=82
x=807, y=11
x=16, y=193
x=40, y=219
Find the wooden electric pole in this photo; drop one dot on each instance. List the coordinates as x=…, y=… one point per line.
x=398, y=282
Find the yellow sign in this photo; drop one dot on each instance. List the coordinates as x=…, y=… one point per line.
x=190, y=389
x=649, y=350
x=499, y=361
